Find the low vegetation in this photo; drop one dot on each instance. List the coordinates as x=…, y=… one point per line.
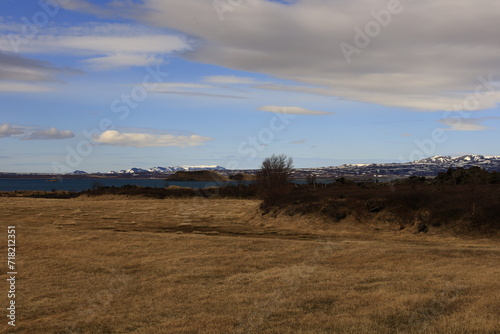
x=473, y=175
x=198, y=175
x=464, y=207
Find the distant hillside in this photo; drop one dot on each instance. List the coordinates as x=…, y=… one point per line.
x=200, y=175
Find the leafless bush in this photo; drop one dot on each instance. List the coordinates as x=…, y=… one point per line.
x=272, y=179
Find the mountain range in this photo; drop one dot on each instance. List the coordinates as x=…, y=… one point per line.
x=425, y=167
x=163, y=170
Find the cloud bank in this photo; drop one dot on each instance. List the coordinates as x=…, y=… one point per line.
x=426, y=55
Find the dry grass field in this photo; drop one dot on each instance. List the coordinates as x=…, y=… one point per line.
x=120, y=265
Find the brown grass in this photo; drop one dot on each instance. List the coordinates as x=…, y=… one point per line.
x=119, y=265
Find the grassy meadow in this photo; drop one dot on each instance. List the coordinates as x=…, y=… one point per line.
x=116, y=264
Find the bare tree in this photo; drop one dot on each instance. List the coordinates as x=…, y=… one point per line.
x=273, y=177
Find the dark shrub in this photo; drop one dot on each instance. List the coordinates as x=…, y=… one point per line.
x=272, y=180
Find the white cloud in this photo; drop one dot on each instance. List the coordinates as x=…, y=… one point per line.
x=116, y=138
x=428, y=56
x=293, y=110
x=7, y=130
x=51, y=133
x=463, y=124
x=230, y=80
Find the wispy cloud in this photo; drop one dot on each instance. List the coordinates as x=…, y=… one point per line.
x=293, y=110
x=121, y=60
x=33, y=133
x=192, y=89
x=166, y=86
x=51, y=133
x=201, y=94
x=19, y=87
x=103, y=46
x=116, y=138
x=21, y=74
x=301, y=141
x=229, y=80
x=463, y=124
x=295, y=89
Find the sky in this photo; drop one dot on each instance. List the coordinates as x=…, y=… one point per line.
x=100, y=85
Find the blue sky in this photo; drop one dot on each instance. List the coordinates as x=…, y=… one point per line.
x=109, y=85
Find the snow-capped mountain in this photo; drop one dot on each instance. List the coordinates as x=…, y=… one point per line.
x=170, y=169
x=462, y=161
x=133, y=171
x=435, y=159
x=187, y=168
x=425, y=167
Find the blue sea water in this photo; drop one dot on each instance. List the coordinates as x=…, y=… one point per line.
x=85, y=184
